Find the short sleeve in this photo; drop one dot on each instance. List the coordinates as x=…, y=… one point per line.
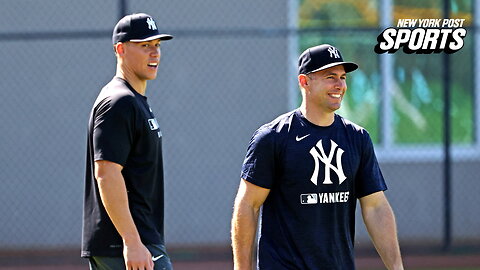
x=259, y=164
x=113, y=130
x=369, y=178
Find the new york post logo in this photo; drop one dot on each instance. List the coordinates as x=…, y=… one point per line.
x=423, y=36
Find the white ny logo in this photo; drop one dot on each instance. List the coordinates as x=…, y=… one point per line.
x=333, y=52
x=151, y=24
x=328, y=163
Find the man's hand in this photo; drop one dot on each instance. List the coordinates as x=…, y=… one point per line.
x=137, y=256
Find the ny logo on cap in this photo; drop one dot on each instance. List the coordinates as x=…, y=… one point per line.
x=333, y=52
x=151, y=24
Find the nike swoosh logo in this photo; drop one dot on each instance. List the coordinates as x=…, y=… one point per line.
x=301, y=138
x=156, y=258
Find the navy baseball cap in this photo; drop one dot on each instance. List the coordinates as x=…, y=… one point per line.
x=137, y=27
x=322, y=57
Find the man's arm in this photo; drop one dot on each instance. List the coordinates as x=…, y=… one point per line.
x=380, y=222
x=115, y=200
x=244, y=222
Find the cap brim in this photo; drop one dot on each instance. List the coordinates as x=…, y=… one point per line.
x=161, y=37
x=349, y=66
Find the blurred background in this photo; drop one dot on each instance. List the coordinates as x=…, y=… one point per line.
x=232, y=67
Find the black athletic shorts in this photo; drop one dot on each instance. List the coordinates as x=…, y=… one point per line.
x=159, y=256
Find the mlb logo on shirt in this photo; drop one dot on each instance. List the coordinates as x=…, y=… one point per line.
x=311, y=198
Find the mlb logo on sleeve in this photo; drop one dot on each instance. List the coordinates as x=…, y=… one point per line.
x=310, y=198
x=153, y=123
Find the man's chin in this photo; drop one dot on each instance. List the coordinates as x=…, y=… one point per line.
x=152, y=77
x=335, y=107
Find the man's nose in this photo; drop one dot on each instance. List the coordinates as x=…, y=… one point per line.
x=155, y=51
x=340, y=83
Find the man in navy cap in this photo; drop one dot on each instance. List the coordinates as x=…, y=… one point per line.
x=123, y=214
x=307, y=168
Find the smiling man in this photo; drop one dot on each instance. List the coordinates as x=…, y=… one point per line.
x=307, y=168
x=123, y=226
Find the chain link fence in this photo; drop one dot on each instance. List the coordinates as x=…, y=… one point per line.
x=228, y=70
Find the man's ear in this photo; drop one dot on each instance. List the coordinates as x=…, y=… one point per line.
x=302, y=80
x=119, y=48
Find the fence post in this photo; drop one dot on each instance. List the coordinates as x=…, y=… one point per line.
x=122, y=8
x=447, y=235
x=387, y=81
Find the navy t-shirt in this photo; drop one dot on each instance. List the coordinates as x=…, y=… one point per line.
x=315, y=174
x=122, y=129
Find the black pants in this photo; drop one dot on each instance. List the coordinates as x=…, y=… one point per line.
x=162, y=261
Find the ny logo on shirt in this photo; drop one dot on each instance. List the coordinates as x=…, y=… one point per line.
x=327, y=160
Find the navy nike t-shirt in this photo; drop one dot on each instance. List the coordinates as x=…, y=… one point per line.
x=315, y=175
